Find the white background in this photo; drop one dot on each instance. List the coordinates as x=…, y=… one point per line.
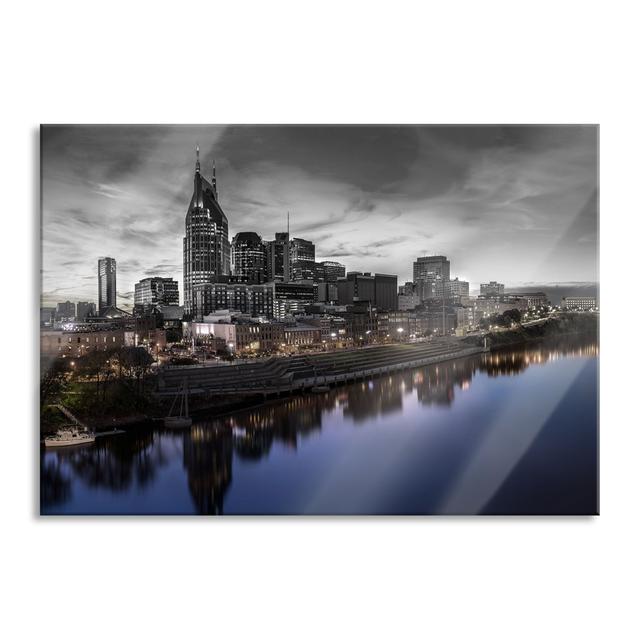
x=455, y=62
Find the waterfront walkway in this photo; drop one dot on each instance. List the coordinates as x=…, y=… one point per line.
x=273, y=376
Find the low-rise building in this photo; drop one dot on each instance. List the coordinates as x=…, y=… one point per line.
x=240, y=334
x=492, y=288
x=580, y=303
x=535, y=299
x=76, y=344
x=487, y=306
x=302, y=335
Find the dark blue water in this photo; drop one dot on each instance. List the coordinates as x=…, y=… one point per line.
x=514, y=432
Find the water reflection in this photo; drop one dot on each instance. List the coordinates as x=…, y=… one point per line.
x=208, y=448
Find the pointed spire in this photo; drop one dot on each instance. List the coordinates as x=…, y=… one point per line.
x=213, y=180
x=197, y=180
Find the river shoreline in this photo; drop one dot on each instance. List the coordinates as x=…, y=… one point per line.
x=221, y=406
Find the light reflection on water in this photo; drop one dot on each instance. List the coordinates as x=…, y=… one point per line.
x=397, y=444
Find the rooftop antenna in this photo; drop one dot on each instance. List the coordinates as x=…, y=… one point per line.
x=213, y=181
x=197, y=158
x=287, y=223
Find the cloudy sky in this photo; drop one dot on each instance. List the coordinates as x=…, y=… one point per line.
x=513, y=204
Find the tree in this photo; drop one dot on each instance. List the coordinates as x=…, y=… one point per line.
x=53, y=379
x=94, y=365
x=135, y=363
x=511, y=316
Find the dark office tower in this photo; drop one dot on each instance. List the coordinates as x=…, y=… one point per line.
x=429, y=275
x=248, y=257
x=278, y=260
x=302, y=254
x=356, y=287
x=106, y=284
x=386, y=292
x=206, y=248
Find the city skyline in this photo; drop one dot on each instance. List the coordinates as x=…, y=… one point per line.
x=517, y=204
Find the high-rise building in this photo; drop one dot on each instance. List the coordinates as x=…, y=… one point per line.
x=66, y=311
x=206, y=247
x=325, y=292
x=85, y=309
x=430, y=274
x=106, y=284
x=253, y=299
x=302, y=254
x=386, y=292
x=408, y=297
x=278, y=258
x=248, y=257
x=153, y=292
x=380, y=290
x=355, y=287
x=492, y=288
x=329, y=271
x=455, y=288
x=291, y=297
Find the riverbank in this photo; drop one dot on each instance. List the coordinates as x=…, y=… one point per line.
x=220, y=391
x=552, y=328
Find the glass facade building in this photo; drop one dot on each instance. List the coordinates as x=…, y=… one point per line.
x=106, y=284
x=152, y=292
x=206, y=247
x=248, y=257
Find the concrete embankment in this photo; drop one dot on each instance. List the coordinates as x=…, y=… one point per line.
x=280, y=376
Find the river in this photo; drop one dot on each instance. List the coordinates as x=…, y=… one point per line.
x=510, y=432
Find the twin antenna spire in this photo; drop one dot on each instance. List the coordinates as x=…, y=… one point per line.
x=213, y=181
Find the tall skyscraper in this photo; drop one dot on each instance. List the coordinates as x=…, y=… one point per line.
x=206, y=247
x=106, y=284
x=302, y=254
x=278, y=258
x=248, y=257
x=431, y=275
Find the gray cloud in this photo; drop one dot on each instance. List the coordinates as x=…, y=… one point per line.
x=512, y=203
